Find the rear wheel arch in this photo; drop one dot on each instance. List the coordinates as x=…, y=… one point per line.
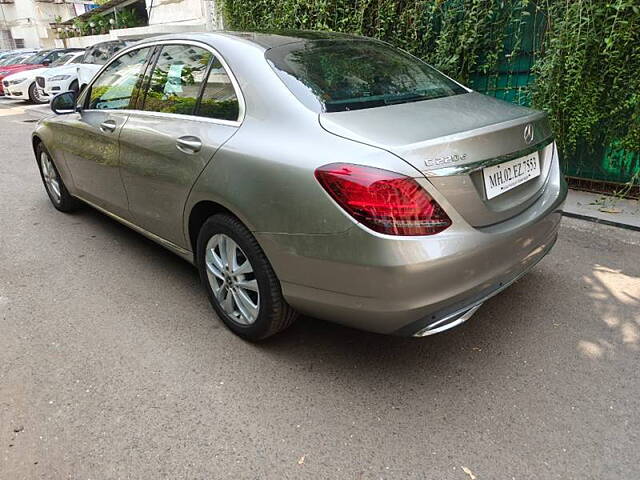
x=199, y=214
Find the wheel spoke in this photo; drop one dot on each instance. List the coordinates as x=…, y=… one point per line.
x=247, y=308
x=45, y=165
x=227, y=301
x=50, y=177
x=247, y=285
x=243, y=269
x=221, y=243
x=231, y=247
x=214, y=264
x=56, y=187
x=218, y=291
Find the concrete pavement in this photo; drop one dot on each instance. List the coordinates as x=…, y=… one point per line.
x=113, y=365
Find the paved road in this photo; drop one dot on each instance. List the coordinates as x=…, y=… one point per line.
x=113, y=365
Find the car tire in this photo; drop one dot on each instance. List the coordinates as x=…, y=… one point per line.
x=53, y=184
x=234, y=303
x=34, y=94
x=74, y=87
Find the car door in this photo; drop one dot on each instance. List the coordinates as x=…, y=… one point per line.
x=90, y=140
x=191, y=106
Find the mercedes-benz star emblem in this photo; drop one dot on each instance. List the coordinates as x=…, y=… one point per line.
x=528, y=133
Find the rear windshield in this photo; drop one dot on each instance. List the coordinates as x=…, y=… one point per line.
x=338, y=75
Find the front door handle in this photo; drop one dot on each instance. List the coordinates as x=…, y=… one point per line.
x=108, y=126
x=189, y=144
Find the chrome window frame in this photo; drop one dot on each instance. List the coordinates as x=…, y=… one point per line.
x=236, y=86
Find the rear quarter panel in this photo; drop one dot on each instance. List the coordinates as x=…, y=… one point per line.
x=265, y=173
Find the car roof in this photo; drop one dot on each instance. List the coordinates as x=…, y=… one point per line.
x=263, y=39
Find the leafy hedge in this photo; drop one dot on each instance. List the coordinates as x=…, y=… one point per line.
x=585, y=53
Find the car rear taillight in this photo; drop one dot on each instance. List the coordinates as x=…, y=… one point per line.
x=384, y=201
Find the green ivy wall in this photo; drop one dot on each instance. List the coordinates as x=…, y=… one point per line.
x=578, y=60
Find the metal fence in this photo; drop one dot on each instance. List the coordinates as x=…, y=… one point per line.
x=593, y=166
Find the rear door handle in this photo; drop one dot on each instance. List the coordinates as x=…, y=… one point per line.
x=189, y=144
x=108, y=126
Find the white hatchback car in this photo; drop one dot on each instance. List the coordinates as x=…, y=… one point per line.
x=19, y=84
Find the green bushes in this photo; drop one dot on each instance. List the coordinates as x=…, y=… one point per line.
x=579, y=60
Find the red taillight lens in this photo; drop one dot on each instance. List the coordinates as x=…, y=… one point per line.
x=384, y=201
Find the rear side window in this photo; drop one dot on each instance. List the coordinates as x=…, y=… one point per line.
x=219, y=98
x=190, y=80
x=119, y=82
x=176, y=79
x=338, y=75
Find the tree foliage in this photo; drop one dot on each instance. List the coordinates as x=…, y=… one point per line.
x=586, y=52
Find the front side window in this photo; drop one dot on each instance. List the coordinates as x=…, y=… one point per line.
x=340, y=75
x=64, y=59
x=176, y=79
x=53, y=56
x=35, y=59
x=119, y=82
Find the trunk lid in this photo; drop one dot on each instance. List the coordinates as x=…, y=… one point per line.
x=449, y=140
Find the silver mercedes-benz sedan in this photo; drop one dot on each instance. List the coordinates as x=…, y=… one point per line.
x=326, y=174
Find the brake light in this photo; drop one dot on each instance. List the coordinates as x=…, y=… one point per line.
x=384, y=201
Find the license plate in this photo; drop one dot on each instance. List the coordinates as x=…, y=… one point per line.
x=507, y=175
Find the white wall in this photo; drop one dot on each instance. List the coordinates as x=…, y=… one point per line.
x=83, y=42
x=175, y=11
x=29, y=20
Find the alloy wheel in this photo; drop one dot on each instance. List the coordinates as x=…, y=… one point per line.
x=37, y=95
x=232, y=279
x=51, y=180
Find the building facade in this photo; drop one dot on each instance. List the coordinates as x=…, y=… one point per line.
x=161, y=16
x=26, y=23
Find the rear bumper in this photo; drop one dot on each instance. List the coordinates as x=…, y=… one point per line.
x=406, y=285
x=457, y=314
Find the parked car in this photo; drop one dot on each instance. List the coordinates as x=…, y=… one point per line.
x=38, y=60
x=12, y=53
x=376, y=193
x=22, y=85
x=14, y=59
x=7, y=57
x=63, y=79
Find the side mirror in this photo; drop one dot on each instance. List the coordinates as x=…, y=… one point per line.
x=64, y=103
x=46, y=63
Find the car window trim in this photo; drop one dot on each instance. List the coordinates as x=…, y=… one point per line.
x=234, y=82
x=196, y=107
x=150, y=65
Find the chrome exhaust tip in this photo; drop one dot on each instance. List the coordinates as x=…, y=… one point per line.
x=448, y=322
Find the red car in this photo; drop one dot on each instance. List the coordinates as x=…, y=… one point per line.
x=38, y=60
